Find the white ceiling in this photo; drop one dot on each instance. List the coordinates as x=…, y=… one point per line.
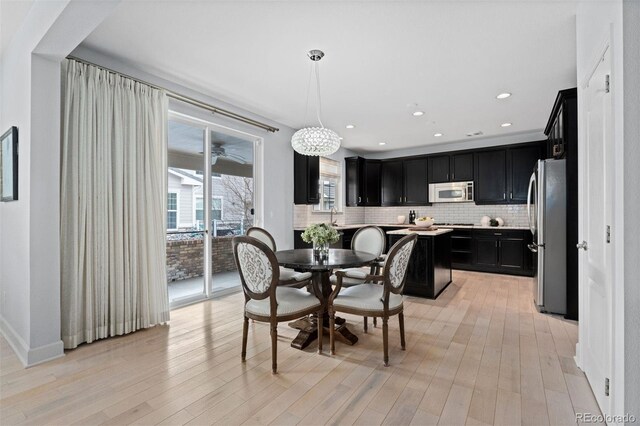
x=450, y=58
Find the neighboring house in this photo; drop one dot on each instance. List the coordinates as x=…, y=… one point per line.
x=232, y=198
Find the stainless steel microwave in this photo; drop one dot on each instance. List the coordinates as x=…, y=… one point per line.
x=451, y=192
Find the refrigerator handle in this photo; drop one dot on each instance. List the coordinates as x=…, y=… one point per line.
x=531, y=181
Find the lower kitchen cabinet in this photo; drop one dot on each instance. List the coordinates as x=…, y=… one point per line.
x=499, y=251
x=429, y=270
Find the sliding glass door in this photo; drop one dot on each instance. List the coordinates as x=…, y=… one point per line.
x=211, y=197
x=232, y=203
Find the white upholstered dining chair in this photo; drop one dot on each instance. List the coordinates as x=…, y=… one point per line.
x=265, y=300
x=288, y=277
x=369, y=239
x=376, y=300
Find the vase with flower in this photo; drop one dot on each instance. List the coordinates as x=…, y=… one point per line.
x=321, y=235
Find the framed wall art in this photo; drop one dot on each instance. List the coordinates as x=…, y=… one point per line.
x=9, y=165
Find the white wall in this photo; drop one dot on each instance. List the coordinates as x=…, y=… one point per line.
x=29, y=227
x=618, y=21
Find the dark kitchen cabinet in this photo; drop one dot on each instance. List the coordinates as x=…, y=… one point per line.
x=520, y=167
x=306, y=179
x=486, y=251
x=362, y=181
x=461, y=167
x=439, y=168
x=491, y=177
x=451, y=168
x=502, y=175
x=500, y=251
x=392, y=182
x=461, y=248
x=352, y=181
x=404, y=182
x=415, y=182
x=372, y=170
x=429, y=269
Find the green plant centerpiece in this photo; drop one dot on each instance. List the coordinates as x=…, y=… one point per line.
x=320, y=235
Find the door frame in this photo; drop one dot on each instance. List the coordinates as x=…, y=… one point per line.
x=616, y=269
x=258, y=191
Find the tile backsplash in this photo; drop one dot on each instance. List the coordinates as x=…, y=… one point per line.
x=513, y=215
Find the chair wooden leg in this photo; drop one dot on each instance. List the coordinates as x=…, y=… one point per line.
x=332, y=326
x=366, y=324
x=401, y=321
x=320, y=330
x=375, y=322
x=245, y=332
x=385, y=340
x=274, y=348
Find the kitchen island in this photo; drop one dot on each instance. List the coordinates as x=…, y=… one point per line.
x=429, y=271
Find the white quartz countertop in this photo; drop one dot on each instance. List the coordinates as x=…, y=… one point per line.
x=408, y=231
x=407, y=225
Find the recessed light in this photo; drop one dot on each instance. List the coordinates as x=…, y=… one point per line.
x=503, y=95
x=349, y=126
x=340, y=137
x=382, y=143
x=505, y=125
x=418, y=113
x=437, y=135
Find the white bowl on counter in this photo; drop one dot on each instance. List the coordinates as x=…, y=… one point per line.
x=400, y=219
x=425, y=223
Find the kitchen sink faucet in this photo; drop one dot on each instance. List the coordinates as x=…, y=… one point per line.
x=333, y=222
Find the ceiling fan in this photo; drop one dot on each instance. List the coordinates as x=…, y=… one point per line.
x=218, y=151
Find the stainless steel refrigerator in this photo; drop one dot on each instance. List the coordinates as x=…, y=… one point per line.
x=547, y=213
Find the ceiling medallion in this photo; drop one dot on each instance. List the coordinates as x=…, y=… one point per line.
x=317, y=141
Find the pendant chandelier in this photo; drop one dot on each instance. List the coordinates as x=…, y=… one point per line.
x=317, y=141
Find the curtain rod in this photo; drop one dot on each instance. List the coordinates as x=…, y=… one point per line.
x=187, y=99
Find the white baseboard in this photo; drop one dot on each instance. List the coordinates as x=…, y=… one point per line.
x=30, y=356
x=578, y=357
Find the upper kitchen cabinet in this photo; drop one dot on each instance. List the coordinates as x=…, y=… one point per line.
x=462, y=167
x=392, y=182
x=491, y=177
x=415, y=183
x=306, y=179
x=520, y=167
x=404, y=182
x=439, y=169
x=362, y=181
x=502, y=175
x=451, y=168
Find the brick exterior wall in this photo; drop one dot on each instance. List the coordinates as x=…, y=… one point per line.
x=184, y=258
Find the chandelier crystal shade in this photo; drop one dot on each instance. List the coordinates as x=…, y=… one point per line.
x=316, y=141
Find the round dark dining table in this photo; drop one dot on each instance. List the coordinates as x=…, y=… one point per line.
x=320, y=268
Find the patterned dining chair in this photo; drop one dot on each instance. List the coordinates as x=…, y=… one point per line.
x=376, y=300
x=369, y=239
x=288, y=277
x=265, y=301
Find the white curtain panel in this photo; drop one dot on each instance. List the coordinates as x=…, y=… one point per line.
x=113, y=191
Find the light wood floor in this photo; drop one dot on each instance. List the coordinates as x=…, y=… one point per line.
x=480, y=354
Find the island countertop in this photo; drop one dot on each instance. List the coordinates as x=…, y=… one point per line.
x=409, y=231
x=408, y=225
